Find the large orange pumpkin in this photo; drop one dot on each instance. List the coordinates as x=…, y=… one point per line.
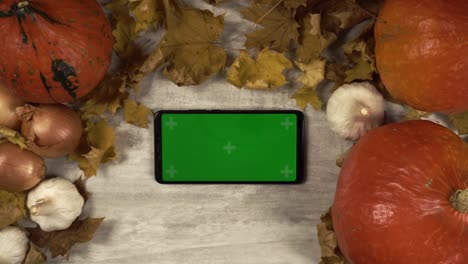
x=53, y=51
x=422, y=52
x=402, y=197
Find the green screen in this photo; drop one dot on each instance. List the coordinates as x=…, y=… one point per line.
x=229, y=147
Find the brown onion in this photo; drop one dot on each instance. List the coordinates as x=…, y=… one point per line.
x=50, y=130
x=8, y=104
x=20, y=170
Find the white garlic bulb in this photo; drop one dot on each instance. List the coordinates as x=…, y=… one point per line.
x=54, y=204
x=13, y=245
x=355, y=108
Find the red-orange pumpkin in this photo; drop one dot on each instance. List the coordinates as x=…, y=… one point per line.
x=53, y=51
x=402, y=197
x=421, y=47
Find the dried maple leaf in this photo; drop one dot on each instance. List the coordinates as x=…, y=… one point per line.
x=277, y=26
x=293, y=4
x=112, y=92
x=340, y=14
x=189, y=46
x=460, y=121
x=80, y=185
x=60, y=242
x=312, y=73
x=13, y=137
x=266, y=72
x=413, y=114
x=124, y=31
x=363, y=62
x=341, y=158
x=136, y=113
x=331, y=253
x=98, y=148
x=307, y=95
x=35, y=256
x=313, y=41
x=146, y=13
x=12, y=208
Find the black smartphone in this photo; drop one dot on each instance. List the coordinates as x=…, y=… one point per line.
x=228, y=146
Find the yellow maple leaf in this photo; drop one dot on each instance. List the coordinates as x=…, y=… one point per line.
x=277, y=26
x=312, y=73
x=99, y=147
x=136, y=113
x=124, y=31
x=307, y=95
x=313, y=42
x=189, y=46
x=266, y=72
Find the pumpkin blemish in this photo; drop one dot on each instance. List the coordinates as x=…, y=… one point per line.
x=64, y=74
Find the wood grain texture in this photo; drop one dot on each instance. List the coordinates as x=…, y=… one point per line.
x=206, y=224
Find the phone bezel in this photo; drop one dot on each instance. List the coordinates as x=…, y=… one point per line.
x=300, y=150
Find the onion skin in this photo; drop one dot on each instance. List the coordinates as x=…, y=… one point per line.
x=20, y=170
x=8, y=103
x=50, y=130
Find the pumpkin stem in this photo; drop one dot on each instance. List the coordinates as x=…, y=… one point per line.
x=23, y=4
x=459, y=201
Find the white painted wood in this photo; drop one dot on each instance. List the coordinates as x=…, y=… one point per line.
x=206, y=224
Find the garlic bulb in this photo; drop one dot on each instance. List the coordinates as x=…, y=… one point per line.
x=353, y=109
x=13, y=245
x=54, y=204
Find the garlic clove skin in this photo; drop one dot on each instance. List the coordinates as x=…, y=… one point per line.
x=14, y=245
x=54, y=204
x=355, y=108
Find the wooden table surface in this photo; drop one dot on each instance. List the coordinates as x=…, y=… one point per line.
x=206, y=224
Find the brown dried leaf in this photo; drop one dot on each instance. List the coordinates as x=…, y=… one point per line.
x=35, y=256
x=313, y=41
x=98, y=148
x=341, y=158
x=293, y=4
x=13, y=136
x=413, y=114
x=307, y=96
x=266, y=72
x=331, y=253
x=12, y=207
x=146, y=13
x=136, y=113
x=340, y=14
x=363, y=61
x=80, y=185
x=460, y=121
x=312, y=73
x=278, y=27
x=60, y=242
x=125, y=28
x=189, y=46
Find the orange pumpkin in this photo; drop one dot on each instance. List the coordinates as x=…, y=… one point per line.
x=402, y=198
x=53, y=51
x=422, y=53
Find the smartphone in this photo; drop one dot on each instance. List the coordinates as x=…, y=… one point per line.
x=226, y=146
